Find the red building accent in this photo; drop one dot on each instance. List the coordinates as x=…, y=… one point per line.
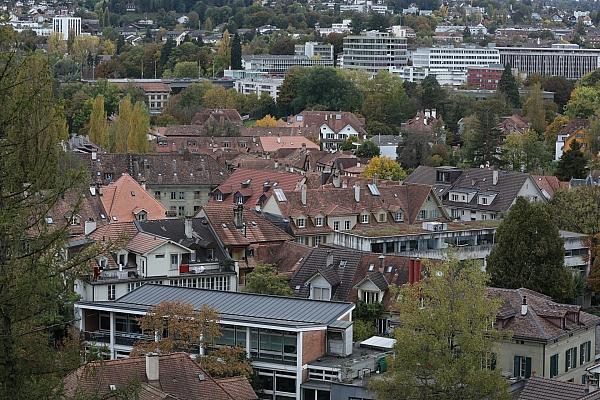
x=484, y=77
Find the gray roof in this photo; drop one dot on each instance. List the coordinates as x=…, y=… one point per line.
x=235, y=306
x=537, y=388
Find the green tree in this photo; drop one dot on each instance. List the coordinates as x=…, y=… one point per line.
x=415, y=149
x=236, y=52
x=326, y=89
x=525, y=152
x=184, y=69
x=123, y=125
x=367, y=149
x=222, y=59
x=445, y=338
x=289, y=89
x=137, y=140
x=583, y=103
x=529, y=252
x=184, y=105
x=508, y=86
x=433, y=95
x=572, y=164
x=482, y=138
x=98, y=124
x=265, y=279
x=534, y=108
x=385, y=100
x=384, y=168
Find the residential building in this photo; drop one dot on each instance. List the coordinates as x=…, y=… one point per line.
x=218, y=116
x=457, y=58
x=272, y=145
x=341, y=27
x=66, y=26
x=258, y=86
x=540, y=388
x=444, y=76
x=477, y=193
x=331, y=127
x=574, y=130
x=387, y=144
x=157, y=93
x=514, y=124
x=280, y=64
x=180, y=183
x=315, y=50
x=567, y=60
x=374, y=51
x=484, y=77
x=549, y=185
x=548, y=339
x=282, y=336
x=155, y=377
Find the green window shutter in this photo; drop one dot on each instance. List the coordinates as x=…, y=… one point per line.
x=527, y=367
x=581, y=353
x=574, y=362
x=567, y=360
x=517, y=364
x=589, y=349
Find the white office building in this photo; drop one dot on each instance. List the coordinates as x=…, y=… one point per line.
x=280, y=64
x=456, y=58
x=315, y=50
x=259, y=86
x=66, y=26
x=374, y=51
x=444, y=76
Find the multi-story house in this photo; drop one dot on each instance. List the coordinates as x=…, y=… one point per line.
x=181, y=183
x=547, y=339
x=280, y=64
x=315, y=50
x=374, y=51
x=66, y=26
x=258, y=86
x=332, y=128
x=157, y=92
x=282, y=336
x=478, y=193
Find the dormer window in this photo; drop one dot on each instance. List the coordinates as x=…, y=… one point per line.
x=141, y=216
x=320, y=293
x=219, y=196
x=381, y=217
x=370, y=297
x=300, y=222
x=422, y=214
x=75, y=220
x=103, y=263
x=239, y=199
x=398, y=217
x=319, y=221
x=364, y=218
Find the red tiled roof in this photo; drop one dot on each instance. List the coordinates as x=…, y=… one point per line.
x=146, y=86
x=125, y=196
x=143, y=242
x=272, y=144
x=336, y=120
x=548, y=184
x=237, y=387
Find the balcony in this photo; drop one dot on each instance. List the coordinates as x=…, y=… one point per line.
x=121, y=338
x=461, y=252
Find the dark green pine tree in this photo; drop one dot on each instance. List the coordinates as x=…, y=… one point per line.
x=509, y=87
x=529, y=253
x=236, y=52
x=165, y=53
x=572, y=163
x=434, y=95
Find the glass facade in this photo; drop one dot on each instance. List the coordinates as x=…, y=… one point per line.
x=269, y=345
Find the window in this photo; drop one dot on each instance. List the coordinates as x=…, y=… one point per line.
x=382, y=217
x=364, y=218
x=157, y=194
x=346, y=225
x=553, y=366
x=174, y=261
x=219, y=196
x=484, y=200
x=453, y=197
x=422, y=214
x=159, y=256
x=239, y=199
x=75, y=220
x=181, y=195
x=141, y=216
x=301, y=222
x=336, y=225
x=196, y=209
x=585, y=352
x=398, y=217
x=196, y=194
x=111, y=292
x=522, y=367
x=319, y=221
x=370, y=296
x=320, y=293
x=489, y=361
x=571, y=358
x=173, y=195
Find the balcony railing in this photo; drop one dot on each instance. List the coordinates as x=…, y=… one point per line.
x=121, y=338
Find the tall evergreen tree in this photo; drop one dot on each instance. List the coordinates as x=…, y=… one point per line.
x=165, y=53
x=482, y=137
x=509, y=87
x=534, y=108
x=434, y=95
x=572, y=164
x=529, y=252
x=98, y=124
x=236, y=52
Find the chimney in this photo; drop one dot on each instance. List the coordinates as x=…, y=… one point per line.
x=303, y=194
x=90, y=226
x=357, y=192
x=411, y=271
x=188, y=228
x=495, y=177
x=524, y=306
x=303, y=147
x=427, y=113
x=94, y=156
x=238, y=216
x=433, y=113
x=329, y=260
x=152, y=369
x=381, y=263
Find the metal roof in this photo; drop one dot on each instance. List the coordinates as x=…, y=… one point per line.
x=235, y=306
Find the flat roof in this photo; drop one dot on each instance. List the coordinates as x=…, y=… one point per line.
x=234, y=306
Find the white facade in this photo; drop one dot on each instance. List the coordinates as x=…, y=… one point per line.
x=456, y=58
x=259, y=86
x=315, y=50
x=444, y=76
x=559, y=146
x=343, y=27
x=67, y=26
x=374, y=51
x=279, y=64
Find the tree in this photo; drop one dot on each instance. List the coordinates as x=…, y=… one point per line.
x=184, y=69
x=222, y=59
x=583, y=103
x=534, y=108
x=227, y=362
x=266, y=122
x=572, y=164
x=529, y=252
x=445, y=338
x=367, y=149
x=184, y=105
x=98, y=125
x=508, y=86
x=236, y=52
x=172, y=326
x=561, y=87
x=385, y=100
x=384, y=168
x=219, y=97
x=265, y=279
x=482, y=138
x=131, y=128
x=282, y=45
x=551, y=131
x=326, y=89
x=524, y=152
x=415, y=149
x=433, y=95
x=123, y=126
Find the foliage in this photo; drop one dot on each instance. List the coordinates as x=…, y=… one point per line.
x=524, y=152
x=509, y=87
x=222, y=59
x=482, y=138
x=236, y=52
x=183, y=69
x=227, y=362
x=184, y=105
x=385, y=100
x=572, y=164
x=363, y=330
x=551, y=131
x=415, y=149
x=561, y=87
x=266, y=122
x=173, y=326
x=98, y=125
x=384, y=168
x=131, y=128
x=265, y=279
x=348, y=144
x=534, y=108
x=583, y=103
x=444, y=338
x=433, y=95
x=529, y=252
x=367, y=149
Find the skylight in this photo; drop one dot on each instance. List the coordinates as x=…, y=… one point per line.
x=279, y=194
x=373, y=189
x=371, y=267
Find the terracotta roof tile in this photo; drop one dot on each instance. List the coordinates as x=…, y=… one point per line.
x=143, y=242
x=272, y=144
x=237, y=387
x=125, y=196
x=538, y=388
x=218, y=115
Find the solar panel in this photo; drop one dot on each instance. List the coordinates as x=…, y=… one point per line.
x=279, y=194
x=373, y=189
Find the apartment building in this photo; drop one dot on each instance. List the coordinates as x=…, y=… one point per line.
x=332, y=128
x=484, y=77
x=315, y=50
x=282, y=336
x=455, y=58
x=568, y=60
x=66, y=26
x=258, y=86
x=157, y=92
x=374, y=51
x=444, y=76
x=280, y=64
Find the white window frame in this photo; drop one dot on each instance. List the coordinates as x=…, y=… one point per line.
x=364, y=219
x=301, y=222
x=320, y=293
x=319, y=221
x=347, y=224
x=175, y=266
x=112, y=292
x=399, y=216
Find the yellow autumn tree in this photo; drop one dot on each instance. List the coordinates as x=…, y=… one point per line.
x=98, y=125
x=383, y=167
x=266, y=122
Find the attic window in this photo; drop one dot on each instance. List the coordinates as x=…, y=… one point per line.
x=390, y=269
x=49, y=220
x=371, y=267
x=133, y=193
x=74, y=220
x=102, y=216
x=112, y=387
x=343, y=263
